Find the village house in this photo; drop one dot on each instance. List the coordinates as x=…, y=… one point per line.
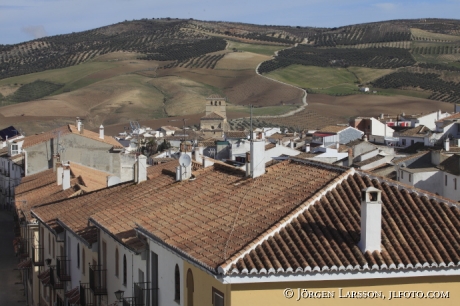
x=24, y=156
x=224, y=236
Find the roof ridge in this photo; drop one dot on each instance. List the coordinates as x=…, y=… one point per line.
x=278, y=226
x=409, y=188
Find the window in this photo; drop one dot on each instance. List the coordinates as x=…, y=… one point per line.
x=445, y=180
x=177, y=284
x=78, y=255
x=402, y=174
x=455, y=183
x=49, y=243
x=83, y=260
x=14, y=149
x=190, y=288
x=403, y=142
x=117, y=259
x=217, y=297
x=54, y=247
x=410, y=177
x=125, y=271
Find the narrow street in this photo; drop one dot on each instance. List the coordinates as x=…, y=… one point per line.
x=12, y=290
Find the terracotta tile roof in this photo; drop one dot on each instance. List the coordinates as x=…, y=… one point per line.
x=368, y=161
x=214, y=97
x=418, y=232
x=211, y=224
x=39, y=138
x=74, y=212
x=410, y=157
x=236, y=134
x=73, y=295
x=277, y=136
x=418, y=131
x=451, y=117
x=270, y=146
x=451, y=165
x=64, y=130
x=90, y=178
x=41, y=188
x=213, y=115
x=332, y=129
x=276, y=223
x=207, y=143
x=95, y=136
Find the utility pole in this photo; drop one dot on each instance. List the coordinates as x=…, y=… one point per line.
x=250, y=105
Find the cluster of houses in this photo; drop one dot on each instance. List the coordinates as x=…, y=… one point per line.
x=225, y=217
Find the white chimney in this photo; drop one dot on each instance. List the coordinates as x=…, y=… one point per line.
x=257, y=158
x=59, y=172
x=371, y=219
x=101, y=132
x=78, y=124
x=307, y=147
x=140, y=169
x=66, y=179
x=291, y=144
x=447, y=145
x=199, y=151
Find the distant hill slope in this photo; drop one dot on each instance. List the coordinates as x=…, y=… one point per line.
x=154, y=68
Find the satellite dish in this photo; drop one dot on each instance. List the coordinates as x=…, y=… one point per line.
x=185, y=160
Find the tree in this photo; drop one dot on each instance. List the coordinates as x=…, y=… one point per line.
x=164, y=146
x=151, y=147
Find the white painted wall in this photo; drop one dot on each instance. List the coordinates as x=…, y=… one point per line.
x=167, y=261
x=133, y=262
x=378, y=128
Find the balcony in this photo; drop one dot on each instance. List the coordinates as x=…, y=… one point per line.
x=141, y=295
x=98, y=279
x=55, y=282
x=63, y=268
x=86, y=296
x=38, y=257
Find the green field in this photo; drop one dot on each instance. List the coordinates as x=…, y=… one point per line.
x=313, y=77
x=262, y=111
x=259, y=49
x=367, y=75
x=63, y=75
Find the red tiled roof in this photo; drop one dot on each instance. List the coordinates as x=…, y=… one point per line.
x=417, y=232
x=95, y=136
x=214, y=97
x=64, y=130
x=300, y=217
x=74, y=212
x=45, y=277
x=211, y=224
x=419, y=131
x=73, y=296
x=451, y=117
x=25, y=264
x=236, y=134
x=334, y=129
x=39, y=138
x=41, y=188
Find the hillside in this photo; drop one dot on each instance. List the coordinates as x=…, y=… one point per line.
x=158, y=68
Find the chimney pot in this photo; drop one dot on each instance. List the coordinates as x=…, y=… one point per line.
x=66, y=178
x=140, y=169
x=101, y=132
x=371, y=219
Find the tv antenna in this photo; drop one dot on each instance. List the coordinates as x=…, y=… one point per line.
x=183, y=130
